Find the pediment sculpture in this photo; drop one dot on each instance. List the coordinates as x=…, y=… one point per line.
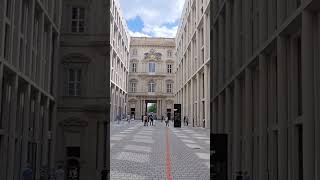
x=152, y=55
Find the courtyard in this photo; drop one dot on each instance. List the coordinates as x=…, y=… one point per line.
x=158, y=152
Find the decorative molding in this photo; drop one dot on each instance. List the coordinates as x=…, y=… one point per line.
x=152, y=55
x=74, y=121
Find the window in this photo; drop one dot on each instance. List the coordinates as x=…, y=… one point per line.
x=169, y=88
x=74, y=76
x=77, y=20
x=134, y=67
x=152, y=67
x=169, y=68
x=133, y=86
x=151, y=86
x=134, y=52
x=169, y=53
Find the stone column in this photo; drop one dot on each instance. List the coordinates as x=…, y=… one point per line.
x=12, y=127
x=1, y=83
x=317, y=105
x=236, y=127
x=307, y=65
x=263, y=120
x=221, y=115
x=228, y=128
x=227, y=50
x=25, y=124
x=248, y=121
x=206, y=96
x=236, y=35
x=282, y=107
x=263, y=20
x=220, y=57
x=198, y=118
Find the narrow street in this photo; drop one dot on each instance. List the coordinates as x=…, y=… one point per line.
x=159, y=152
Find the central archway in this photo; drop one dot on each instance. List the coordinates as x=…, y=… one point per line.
x=151, y=106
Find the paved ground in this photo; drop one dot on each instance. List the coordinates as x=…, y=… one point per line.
x=157, y=152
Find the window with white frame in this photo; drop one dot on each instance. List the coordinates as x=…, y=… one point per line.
x=151, y=86
x=152, y=67
x=169, y=68
x=133, y=86
x=169, y=53
x=77, y=22
x=74, y=79
x=134, y=67
x=169, y=87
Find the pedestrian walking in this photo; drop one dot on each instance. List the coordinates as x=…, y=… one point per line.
x=167, y=121
x=161, y=118
x=118, y=118
x=184, y=120
x=145, y=118
x=239, y=175
x=187, y=120
x=151, y=120
x=27, y=173
x=59, y=173
x=128, y=118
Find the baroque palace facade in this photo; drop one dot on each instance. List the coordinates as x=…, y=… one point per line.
x=83, y=92
x=265, y=91
x=151, y=77
x=193, y=62
x=29, y=43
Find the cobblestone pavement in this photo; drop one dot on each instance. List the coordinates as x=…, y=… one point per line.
x=145, y=153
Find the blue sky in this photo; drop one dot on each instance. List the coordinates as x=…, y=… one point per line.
x=152, y=18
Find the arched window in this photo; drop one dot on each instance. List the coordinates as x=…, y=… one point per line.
x=134, y=67
x=151, y=86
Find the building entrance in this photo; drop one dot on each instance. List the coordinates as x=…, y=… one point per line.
x=151, y=106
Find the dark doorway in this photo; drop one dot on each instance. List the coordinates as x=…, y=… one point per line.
x=133, y=112
x=73, y=168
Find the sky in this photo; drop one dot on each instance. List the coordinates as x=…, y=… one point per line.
x=152, y=18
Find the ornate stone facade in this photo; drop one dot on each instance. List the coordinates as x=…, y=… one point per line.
x=151, y=77
x=83, y=95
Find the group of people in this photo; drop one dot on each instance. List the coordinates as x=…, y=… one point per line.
x=146, y=119
x=28, y=174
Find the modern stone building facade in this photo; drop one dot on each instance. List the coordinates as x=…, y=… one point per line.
x=84, y=94
x=193, y=62
x=29, y=42
x=265, y=92
x=151, y=77
x=119, y=57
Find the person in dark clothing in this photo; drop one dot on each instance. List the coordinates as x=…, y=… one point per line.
x=187, y=121
x=27, y=173
x=167, y=121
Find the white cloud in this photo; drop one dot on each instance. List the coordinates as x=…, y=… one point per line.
x=161, y=31
x=154, y=14
x=138, y=34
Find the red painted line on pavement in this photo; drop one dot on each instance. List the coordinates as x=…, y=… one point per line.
x=168, y=160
